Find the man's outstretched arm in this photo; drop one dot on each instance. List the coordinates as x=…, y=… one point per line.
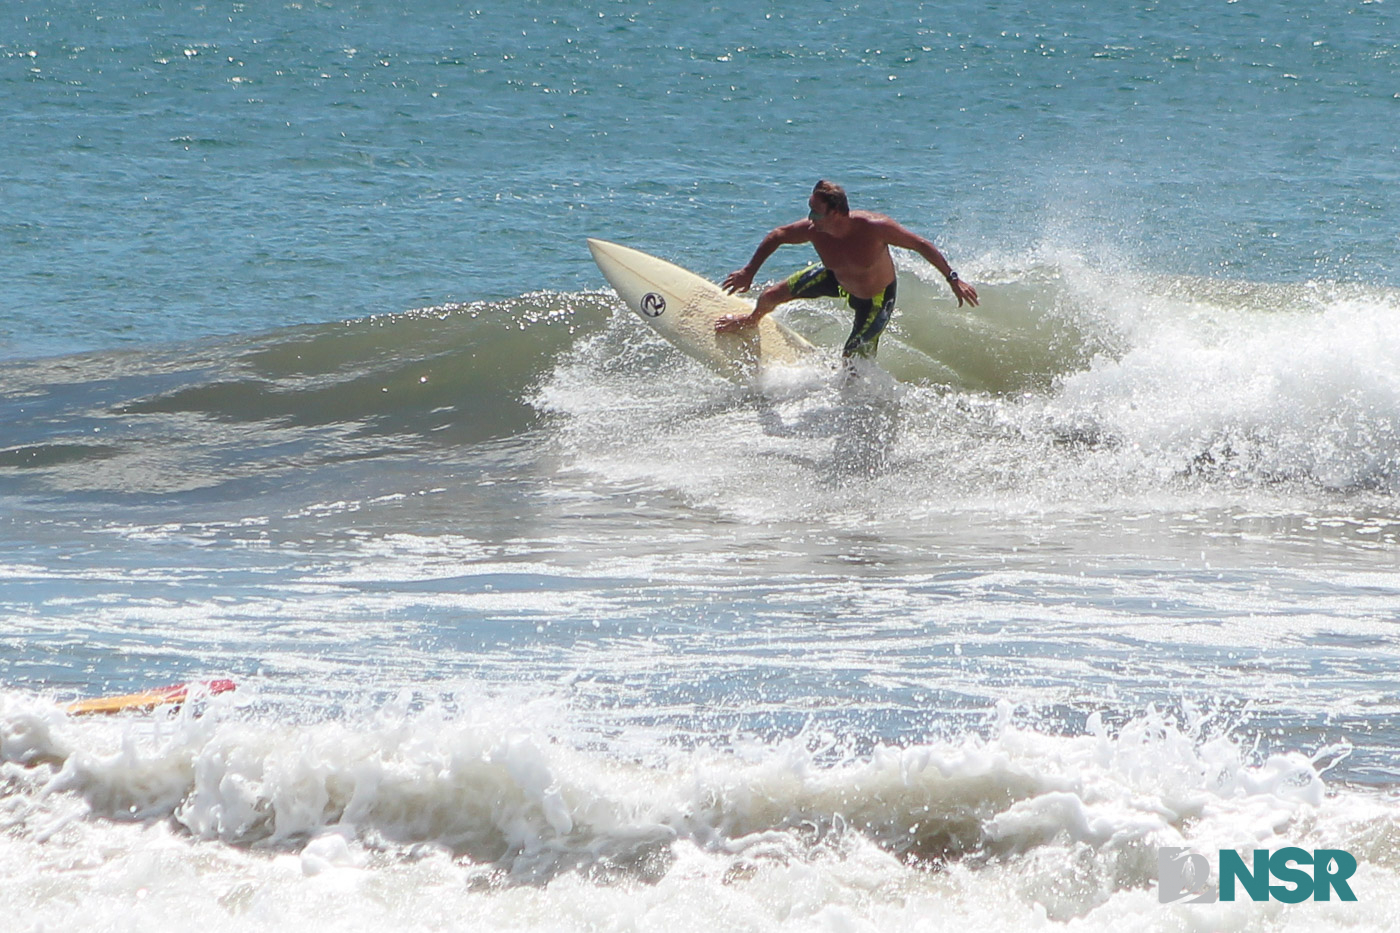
x=740, y=279
x=898, y=235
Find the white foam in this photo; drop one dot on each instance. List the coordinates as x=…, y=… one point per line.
x=420, y=820
x=1258, y=394
x=1141, y=393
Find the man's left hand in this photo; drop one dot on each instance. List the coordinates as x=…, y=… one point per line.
x=964, y=292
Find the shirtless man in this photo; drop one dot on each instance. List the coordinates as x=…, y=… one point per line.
x=854, y=248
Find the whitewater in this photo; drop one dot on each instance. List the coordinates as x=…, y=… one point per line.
x=307, y=381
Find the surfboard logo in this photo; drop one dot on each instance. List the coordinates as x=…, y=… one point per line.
x=653, y=304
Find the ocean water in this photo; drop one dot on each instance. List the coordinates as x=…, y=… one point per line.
x=307, y=380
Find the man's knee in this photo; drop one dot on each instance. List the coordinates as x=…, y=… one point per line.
x=773, y=296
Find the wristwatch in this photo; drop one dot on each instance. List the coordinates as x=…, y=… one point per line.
x=952, y=276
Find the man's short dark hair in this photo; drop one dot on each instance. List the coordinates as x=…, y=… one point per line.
x=832, y=195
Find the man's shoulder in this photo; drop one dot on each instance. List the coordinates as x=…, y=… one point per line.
x=875, y=222
x=876, y=226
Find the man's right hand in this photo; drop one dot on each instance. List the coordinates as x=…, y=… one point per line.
x=737, y=281
x=732, y=323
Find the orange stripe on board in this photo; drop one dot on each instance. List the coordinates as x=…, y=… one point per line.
x=148, y=699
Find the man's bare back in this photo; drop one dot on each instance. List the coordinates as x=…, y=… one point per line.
x=854, y=247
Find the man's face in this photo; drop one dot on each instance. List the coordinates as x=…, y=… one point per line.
x=817, y=214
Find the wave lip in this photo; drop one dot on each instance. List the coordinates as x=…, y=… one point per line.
x=1066, y=381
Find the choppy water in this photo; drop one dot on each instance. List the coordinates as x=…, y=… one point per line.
x=308, y=381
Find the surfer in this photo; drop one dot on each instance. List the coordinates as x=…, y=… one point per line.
x=854, y=248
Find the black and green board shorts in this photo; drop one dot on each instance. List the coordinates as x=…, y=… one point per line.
x=872, y=314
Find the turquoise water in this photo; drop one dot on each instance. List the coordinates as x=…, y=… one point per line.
x=307, y=380
x=177, y=170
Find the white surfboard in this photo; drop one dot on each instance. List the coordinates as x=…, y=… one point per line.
x=683, y=307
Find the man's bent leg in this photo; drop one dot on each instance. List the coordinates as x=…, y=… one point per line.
x=771, y=297
x=815, y=281
x=767, y=301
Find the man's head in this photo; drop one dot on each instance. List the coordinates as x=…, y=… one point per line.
x=828, y=208
x=832, y=196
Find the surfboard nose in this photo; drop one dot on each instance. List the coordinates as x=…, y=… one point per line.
x=598, y=247
x=622, y=266
x=604, y=254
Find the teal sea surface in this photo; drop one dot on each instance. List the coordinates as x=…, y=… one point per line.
x=308, y=381
x=176, y=170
